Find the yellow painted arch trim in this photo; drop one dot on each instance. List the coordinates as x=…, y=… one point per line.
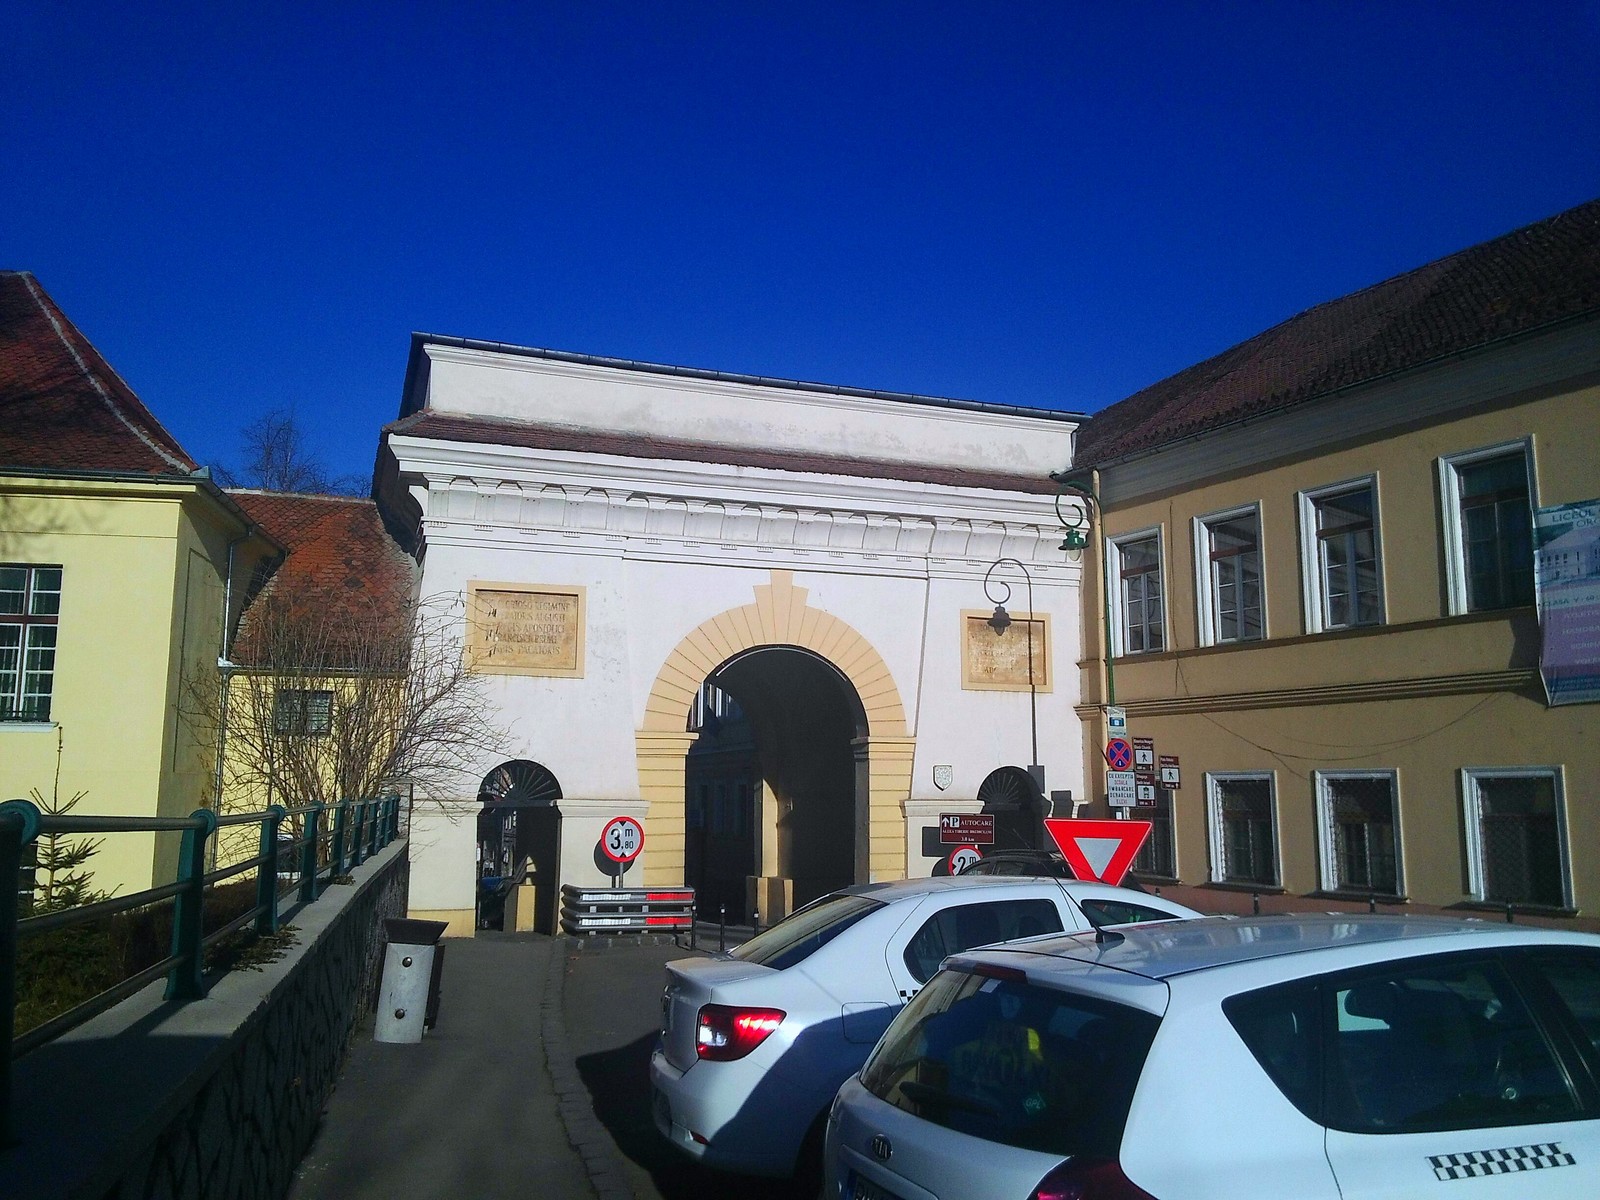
x=780, y=616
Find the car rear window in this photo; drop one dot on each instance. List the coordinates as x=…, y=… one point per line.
x=1014, y=1063
x=1421, y=1046
x=963, y=926
x=798, y=936
x=1120, y=912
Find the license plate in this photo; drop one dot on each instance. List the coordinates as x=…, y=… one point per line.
x=860, y=1188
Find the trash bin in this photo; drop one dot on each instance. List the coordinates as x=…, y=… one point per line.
x=408, y=993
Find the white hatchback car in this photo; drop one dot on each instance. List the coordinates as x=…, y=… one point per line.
x=754, y=1044
x=1320, y=1058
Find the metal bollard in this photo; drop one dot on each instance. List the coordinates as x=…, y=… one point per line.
x=1372, y=904
x=755, y=917
x=1509, y=918
x=694, y=926
x=1255, y=903
x=408, y=979
x=722, y=928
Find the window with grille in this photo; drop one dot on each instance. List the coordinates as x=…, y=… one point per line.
x=1489, y=534
x=302, y=711
x=1517, y=854
x=1158, y=856
x=1341, y=553
x=30, y=608
x=1231, y=594
x=1141, y=605
x=1359, y=832
x=1244, y=835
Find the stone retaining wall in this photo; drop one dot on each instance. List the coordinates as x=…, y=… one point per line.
x=218, y=1097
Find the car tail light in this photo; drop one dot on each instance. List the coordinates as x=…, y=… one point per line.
x=1089, y=1179
x=725, y=1032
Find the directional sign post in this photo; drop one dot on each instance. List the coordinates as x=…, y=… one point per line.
x=1098, y=851
x=962, y=829
x=1170, y=777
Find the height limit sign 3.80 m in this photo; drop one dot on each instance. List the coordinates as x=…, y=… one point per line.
x=622, y=839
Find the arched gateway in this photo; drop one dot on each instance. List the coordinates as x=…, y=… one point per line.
x=748, y=614
x=730, y=645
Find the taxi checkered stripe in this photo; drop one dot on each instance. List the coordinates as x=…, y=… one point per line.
x=1510, y=1159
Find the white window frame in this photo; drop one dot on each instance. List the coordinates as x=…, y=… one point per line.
x=1205, y=607
x=1214, y=830
x=1472, y=823
x=1113, y=564
x=1455, y=551
x=1312, y=591
x=1328, y=860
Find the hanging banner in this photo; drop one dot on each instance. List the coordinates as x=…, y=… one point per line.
x=1567, y=562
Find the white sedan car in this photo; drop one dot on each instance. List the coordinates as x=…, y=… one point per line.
x=1322, y=1058
x=754, y=1044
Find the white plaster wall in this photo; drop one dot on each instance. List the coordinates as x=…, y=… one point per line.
x=661, y=547
x=517, y=387
x=444, y=851
x=976, y=731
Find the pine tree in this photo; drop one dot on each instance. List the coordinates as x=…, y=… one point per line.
x=61, y=880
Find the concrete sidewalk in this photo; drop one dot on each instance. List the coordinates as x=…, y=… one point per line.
x=477, y=1108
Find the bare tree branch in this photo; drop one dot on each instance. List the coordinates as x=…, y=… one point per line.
x=340, y=703
x=277, y=459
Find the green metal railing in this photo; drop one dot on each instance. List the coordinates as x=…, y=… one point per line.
x=323, y=850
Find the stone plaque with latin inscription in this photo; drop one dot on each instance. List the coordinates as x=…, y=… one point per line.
x=519, y=629
x=993, y=661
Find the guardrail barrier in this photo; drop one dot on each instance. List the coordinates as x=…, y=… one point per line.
x=586, y=910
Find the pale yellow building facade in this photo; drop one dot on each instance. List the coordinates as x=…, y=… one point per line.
x=1321, y=611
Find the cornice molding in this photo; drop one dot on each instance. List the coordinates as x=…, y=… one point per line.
x=512, y=494
x=1414, y=688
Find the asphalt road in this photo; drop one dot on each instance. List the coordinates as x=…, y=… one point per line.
x=612, y=1006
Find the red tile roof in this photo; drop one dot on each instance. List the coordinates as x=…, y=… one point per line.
x=341, y=563
x=453, y=428
x=1534, y=277
x=62, y=407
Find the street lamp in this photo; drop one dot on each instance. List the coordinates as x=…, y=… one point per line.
x=1000, y=622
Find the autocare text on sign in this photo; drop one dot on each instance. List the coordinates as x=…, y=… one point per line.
x=957, y=829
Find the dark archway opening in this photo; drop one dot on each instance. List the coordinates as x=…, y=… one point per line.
x=519, y=843
x=776, y=783
x=1019, y=808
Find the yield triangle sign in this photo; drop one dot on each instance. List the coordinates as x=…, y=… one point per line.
x=1098, y=850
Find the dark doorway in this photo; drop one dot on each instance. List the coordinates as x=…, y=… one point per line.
x=519, y=840
x=783, y=735
x=1018, y=807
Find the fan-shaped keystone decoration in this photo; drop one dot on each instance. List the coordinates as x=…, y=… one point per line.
x=520, y=784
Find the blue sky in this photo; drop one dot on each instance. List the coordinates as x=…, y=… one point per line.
x=1047, y=204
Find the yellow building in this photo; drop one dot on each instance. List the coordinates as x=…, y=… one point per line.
x=1317, y=549
x=117, y=556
